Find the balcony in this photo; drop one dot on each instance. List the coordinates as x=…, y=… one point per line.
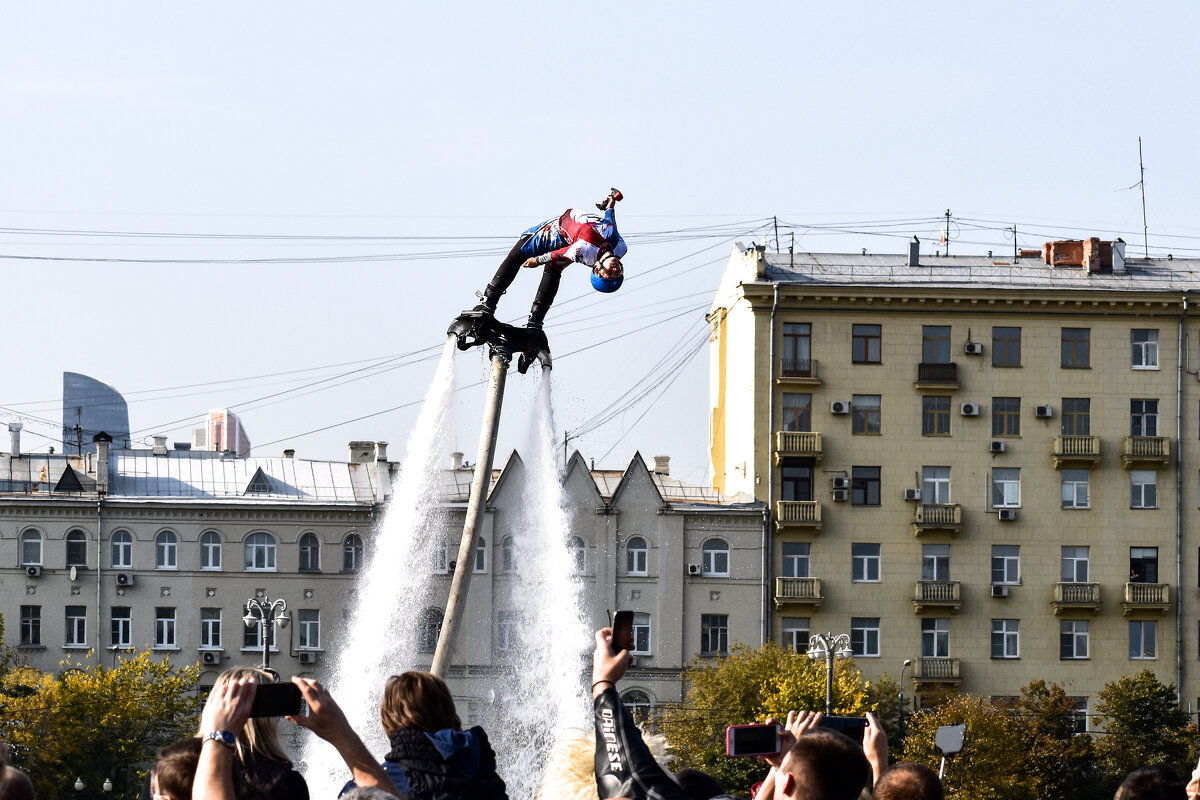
x=1145, y=451
x=797, y=444
x=1147, y=597
x=937, y=670
x=937, y=595
x=798, y=370
x=1077, y=451
x=937, y=376
x=797, y=515
x=937, y=518
x=1076, y=597
x=798, y=591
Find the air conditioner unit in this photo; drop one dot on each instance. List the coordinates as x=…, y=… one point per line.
x=997, y=446
x=970, y=409
x=912, y=494
x=33, y=572
x=1007, y=514
x=210, y=657
x=841, y=495
x=694, y=569
x=841, y=483
x=973, y=348
x=124, y=579
x=839, y=407
x=1043, y=412
x=999, y=590
x=307, y=656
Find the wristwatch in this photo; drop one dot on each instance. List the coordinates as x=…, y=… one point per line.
x=224, y=737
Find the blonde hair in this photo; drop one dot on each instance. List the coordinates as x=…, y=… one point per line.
x=570, y=772
x=260, y=737
x=417, y=700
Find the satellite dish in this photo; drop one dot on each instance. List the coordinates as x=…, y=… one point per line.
x=74, y=573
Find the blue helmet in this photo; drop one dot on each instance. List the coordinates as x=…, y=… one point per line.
x=607, y=285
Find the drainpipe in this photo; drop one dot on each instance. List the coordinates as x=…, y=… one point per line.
x=768, y=538
x=99, y=567
x=1179, y=504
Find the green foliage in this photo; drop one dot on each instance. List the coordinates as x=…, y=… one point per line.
x=95, y=722
x=1144, y=725
x=1059, y=762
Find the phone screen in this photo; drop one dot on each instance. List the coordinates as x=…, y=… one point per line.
x=276, y=700
x=854, y=727
x=751, y=740
x=622, y=637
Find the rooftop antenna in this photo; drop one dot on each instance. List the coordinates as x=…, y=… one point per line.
x=776, y=221
x=1142, y=183
x=946, y=233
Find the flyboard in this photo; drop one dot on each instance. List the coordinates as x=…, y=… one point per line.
x=476, y=328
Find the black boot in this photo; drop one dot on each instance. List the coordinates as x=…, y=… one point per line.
x=489, y=297
x=547, y=289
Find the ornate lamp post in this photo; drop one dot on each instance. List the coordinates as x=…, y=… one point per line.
x=903, y=669
x=264, y=613
x=829, y=647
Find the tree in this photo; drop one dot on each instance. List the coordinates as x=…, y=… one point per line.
x=1143, y=725
x=750, y=686
x=1059, y=759
x=95, y=722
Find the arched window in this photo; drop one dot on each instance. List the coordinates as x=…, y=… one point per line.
x=481, y=554
x=508, y=555
x=166, y=551
x=310, y=553
x=715, y=559
x=210, y=550
x=431, y=629
x=122, y=550
x=31, y=548
x=352, y=553
x=77, y=548
x=260, y=552
x=638, y=703
x=635, y=556
x=578, y=551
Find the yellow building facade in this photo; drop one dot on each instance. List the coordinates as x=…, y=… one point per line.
x=983, y=466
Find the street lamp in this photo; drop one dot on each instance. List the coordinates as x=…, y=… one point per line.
x=265, y=613
x=79, y=784
x=907, y=664
x=828, y=646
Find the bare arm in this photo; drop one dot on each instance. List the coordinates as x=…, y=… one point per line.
x=875, y=746
x=227, y=709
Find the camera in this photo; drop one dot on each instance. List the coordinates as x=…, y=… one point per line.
x=752, y=740
x=854, y=727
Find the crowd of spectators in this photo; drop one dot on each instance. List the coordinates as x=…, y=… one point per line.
x=237, y=756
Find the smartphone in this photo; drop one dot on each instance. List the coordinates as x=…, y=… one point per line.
x=277, y=700
x=622, y=635
x=742, y=741
x=854, y=727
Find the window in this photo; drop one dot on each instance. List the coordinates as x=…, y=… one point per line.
x=1143, y=565
x=797, y=412
x=1075, y=564
x=120, y=631
x=1075, y=488
x=865, y=344
x=1006, y=563
x=864, y=560
x=122, y=550
x=1076, y=416
x=1143, y=488
x=714, y=559
x=210, y=628
x=935, y=416
x=508, y=556
x=864, y=636
x=1142, y=638
x=352, y=553
x=935, y=638
x=431, y=629
x=31, y=549
x=507, y=630
x=638, y=703
x=935, y=562
x=252, y=638
x=1143, y=418
x=480, y=555
x=164, y=629
x=1006, y=347
x=439, y=558
x=31, y=626
x=578, y=553
x=865, y=413
x=795, y=634
x=1143, y=344
x=935, y=485
x=641, y=633
x=166, y=551
x=308, y=624
x=714, y=634
x=1076, y=347
x=635, y=556
x=260, y=552
x=310, y=553
x=1006, y=416
x=1006, y=487
x=210, y=550
x=864, y=486
x=797, y=349
x=795, y=559
x=1073, y=638
x=1081, y=714
x=935, y=344
x=797, y=480
x=77, y=549
x=76, y=632
x=1006, y=642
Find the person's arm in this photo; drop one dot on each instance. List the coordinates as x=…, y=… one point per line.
x=1193, y=786
x=227, y=709
x=875, y=746
x=326, y=719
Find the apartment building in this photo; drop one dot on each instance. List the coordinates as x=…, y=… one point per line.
x=985, y=466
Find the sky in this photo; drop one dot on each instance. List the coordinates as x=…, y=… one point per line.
x=278, y=208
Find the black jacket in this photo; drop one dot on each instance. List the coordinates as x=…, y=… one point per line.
x=447, y=765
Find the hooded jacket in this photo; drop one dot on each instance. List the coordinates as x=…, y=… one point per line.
x=447, y=765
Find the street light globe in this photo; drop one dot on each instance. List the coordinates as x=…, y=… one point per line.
x=250, y=620
x=107, y=784
x=282, y=621
x=814, y=654
x=845, y=652
x=79, y=784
